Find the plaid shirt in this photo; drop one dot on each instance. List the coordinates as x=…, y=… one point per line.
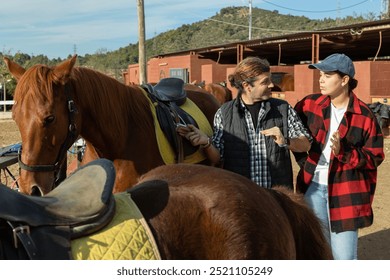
x=257, y=146
x=353, y=172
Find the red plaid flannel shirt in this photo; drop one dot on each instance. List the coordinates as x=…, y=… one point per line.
x=352, y=173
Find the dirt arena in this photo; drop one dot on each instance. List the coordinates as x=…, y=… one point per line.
x=374, y=241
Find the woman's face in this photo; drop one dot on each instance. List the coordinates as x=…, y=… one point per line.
x=332, y=84
x=259, y=90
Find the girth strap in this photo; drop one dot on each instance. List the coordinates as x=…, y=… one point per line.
x=41, y=243
x=21, y=233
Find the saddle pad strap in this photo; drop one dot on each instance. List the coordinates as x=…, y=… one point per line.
x=41, y=243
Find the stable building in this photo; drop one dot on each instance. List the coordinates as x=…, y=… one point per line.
x=367, y=44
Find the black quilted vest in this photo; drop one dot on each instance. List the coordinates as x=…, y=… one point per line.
x=236, y=149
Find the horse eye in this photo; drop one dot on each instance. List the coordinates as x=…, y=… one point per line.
x=48, y=120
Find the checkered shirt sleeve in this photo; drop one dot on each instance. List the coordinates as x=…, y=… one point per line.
x=295, y=125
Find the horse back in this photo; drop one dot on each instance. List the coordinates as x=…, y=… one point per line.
x=189, y=207
x=206, y=102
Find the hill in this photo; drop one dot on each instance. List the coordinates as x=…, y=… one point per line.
x=228, y=25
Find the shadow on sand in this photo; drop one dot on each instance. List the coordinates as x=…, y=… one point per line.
x=375, y=246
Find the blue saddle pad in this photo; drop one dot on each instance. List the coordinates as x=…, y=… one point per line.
x=10, y=150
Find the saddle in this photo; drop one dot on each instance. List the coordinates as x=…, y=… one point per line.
x=43, y=227
x=167, y=96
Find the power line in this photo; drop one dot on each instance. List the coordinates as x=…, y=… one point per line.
x=324, y=11
x=271, y=29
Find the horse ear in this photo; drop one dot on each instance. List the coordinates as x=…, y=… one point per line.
x=15, y=69
x=63, y=70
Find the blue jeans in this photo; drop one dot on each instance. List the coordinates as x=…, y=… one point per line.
x=343, y=244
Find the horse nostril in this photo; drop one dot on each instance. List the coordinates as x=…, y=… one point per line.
x=36, y=191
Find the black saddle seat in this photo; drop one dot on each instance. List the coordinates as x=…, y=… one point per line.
x=82, y=197
x=169, y=90
x=80, y=205
x=167, y=96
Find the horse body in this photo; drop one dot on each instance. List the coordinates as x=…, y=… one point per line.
x=193, y=212
x=218, y=214
x=114, y=119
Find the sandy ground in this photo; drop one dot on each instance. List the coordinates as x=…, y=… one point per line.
x=374, y=241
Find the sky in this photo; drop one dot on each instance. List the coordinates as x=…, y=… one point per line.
x=58, y=28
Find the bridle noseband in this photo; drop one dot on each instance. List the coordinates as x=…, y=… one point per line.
x=71, y=137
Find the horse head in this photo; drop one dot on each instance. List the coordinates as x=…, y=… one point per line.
x=46, y=117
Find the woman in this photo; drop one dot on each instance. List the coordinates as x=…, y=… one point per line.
x=339, y=173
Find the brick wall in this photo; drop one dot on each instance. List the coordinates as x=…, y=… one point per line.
x=373, y=76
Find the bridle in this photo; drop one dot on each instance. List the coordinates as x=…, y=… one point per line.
x=71, y=137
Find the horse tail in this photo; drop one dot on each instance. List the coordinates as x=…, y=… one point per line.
x=310, y=241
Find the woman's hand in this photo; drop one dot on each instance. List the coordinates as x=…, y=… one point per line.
x=335, y=140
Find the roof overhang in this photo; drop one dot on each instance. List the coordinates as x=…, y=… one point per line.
x=364, y=41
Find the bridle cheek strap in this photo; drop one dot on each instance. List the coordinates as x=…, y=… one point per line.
x=71, y=137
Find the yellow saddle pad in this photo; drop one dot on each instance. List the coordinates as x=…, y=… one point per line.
x=166, y=151
x=126, y=237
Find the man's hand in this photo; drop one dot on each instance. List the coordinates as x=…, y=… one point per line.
x=275, y=133
x=194, y=135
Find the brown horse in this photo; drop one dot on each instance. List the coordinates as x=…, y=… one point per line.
x=287, y=83
x=202, y=212
x=283, y=81
x=55, y=105
x=219, y=91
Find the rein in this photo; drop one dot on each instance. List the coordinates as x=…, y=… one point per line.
x=71, y=137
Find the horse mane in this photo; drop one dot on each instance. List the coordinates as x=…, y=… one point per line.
x=30, y=83
x=110, y=94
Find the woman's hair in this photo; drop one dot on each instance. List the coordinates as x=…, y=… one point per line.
x=247, y=71
x=352, y=84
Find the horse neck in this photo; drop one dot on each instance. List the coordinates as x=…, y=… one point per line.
x=109, y=110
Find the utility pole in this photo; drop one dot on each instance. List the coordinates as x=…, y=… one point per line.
x=250, y=19
x=141, y=43
x=385, y=9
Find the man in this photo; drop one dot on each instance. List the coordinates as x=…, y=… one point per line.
x=254, y=132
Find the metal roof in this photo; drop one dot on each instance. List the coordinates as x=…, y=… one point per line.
x=363, y=41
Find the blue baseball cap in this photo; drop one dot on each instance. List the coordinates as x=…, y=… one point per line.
x=336, y=62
